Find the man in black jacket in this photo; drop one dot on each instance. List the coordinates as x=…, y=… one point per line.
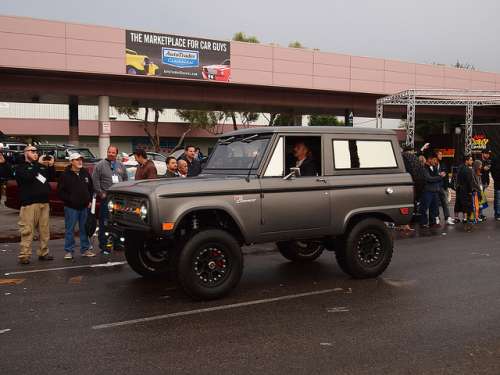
x=171, y=167
x=33, y=178
x=430, y=198
x=75, y=189
x=194, y=165
x=443, y=192
x=304, y=159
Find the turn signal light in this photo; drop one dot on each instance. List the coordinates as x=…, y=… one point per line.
x=404, y=211
x=168, y=226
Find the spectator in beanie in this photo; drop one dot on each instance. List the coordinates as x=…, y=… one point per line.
x=146, y=169
x=171, y=167
x=76, y=189
x=33, y=178
x=189, y=156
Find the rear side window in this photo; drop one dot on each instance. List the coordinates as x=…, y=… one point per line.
x=357, y=154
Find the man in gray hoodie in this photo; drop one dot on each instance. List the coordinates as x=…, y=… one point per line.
x=106, y=173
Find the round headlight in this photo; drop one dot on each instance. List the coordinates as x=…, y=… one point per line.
x=111, y=206
x=144, y=212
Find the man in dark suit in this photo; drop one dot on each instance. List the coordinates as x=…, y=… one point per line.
x=171, y=167
x=304, y=159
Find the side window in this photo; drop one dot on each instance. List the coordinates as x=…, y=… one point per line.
x=357, y=154
x=276, y=164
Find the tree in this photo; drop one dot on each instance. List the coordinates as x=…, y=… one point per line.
x=295, y=44
x=207, y=120
x=466, y=66
x=150, y=127
x=325, y=120
x=240, y=36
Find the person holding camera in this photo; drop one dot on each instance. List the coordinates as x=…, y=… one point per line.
x=5, y=171
x=33, y=178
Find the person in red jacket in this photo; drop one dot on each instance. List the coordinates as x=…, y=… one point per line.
x=146, y=169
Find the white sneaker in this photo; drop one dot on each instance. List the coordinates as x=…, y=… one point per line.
x=437, y=220
x=450, y=221
x=68, y=256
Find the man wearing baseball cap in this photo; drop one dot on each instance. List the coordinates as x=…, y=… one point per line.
x=33, y=178
x=75, y=189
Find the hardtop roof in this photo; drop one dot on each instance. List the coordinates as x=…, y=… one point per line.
x=310, y=130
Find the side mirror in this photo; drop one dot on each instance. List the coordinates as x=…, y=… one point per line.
x=294, y=172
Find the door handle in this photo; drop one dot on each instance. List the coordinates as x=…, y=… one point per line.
x=320, y=179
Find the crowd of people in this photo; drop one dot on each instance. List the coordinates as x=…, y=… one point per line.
x=77, y=189
x=433, y=182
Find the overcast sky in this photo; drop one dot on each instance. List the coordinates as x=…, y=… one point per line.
x=424, y=31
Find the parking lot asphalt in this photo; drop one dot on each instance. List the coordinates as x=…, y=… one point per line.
x=436, y=310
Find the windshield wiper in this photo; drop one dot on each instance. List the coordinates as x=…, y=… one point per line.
x=250, y=138
x=226, y=141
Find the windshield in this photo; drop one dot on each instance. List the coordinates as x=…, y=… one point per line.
x=85, y=152
x=242, y=152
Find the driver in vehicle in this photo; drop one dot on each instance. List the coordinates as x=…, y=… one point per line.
x=304, y=159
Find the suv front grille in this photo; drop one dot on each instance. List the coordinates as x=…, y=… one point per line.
x=127, y=208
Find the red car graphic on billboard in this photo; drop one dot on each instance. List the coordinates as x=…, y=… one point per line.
x=218, y=72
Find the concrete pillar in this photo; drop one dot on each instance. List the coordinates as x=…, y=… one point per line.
x=104, y=126
x=74, y=137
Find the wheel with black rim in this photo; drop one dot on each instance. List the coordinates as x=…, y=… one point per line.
x=210, y=264
x=146, y=261
x=365, y=251
x=301, y=251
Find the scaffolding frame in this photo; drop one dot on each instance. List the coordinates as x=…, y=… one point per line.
x=435, y=97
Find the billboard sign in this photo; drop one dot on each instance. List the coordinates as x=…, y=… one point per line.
x=165, y=55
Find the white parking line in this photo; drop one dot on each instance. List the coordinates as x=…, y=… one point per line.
x=210, y=309
x=98, y=265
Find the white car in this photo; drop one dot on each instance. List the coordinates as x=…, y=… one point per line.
x=159, y=161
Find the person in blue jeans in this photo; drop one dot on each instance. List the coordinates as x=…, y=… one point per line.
x=75, y=188
x=429, y=202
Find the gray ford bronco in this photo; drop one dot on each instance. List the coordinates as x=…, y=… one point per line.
x=308, y=189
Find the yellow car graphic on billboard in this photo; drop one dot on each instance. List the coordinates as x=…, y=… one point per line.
x=139, y=64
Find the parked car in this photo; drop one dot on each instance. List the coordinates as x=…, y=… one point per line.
x=251, y=191
x=139, y=64
x=217, y=72
x=159, y=161
x=61, y=155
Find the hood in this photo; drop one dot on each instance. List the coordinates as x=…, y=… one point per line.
x=200, y=185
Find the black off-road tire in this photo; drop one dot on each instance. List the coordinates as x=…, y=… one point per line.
x=210, y=264
x=301, y=251
x=146, y=263
x=366, y=251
